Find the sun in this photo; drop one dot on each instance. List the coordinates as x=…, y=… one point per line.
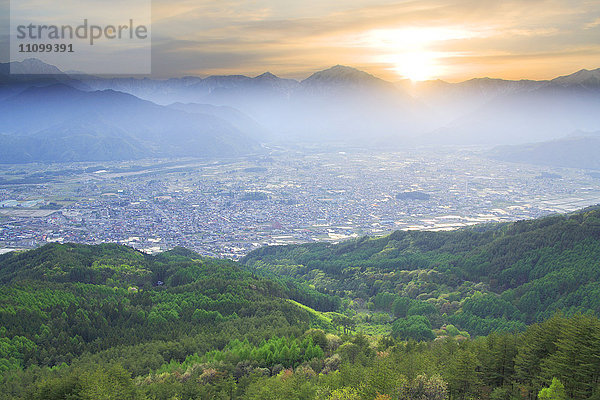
x=416, y=66
x=412, y=53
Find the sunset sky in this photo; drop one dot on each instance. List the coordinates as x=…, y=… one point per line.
x=430, y=39
x=451, y=40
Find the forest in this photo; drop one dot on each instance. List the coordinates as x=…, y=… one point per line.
x=488, y=278
x=491, y=312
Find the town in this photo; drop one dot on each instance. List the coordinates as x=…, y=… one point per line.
x=227, y=208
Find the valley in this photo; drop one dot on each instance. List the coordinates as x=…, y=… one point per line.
x=306, y=195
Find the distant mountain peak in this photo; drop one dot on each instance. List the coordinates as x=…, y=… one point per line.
x=343, y=68
x=267, y=75
x=341, y=74
x=582, y=77
x=34, y=66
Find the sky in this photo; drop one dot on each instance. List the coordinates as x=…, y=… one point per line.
x=452, y=40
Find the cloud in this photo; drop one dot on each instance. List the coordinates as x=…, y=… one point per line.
x=595, y=23
x=293, y=39
x=465, y=37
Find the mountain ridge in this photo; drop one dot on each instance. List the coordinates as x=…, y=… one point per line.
x=578, y=150
x=344, y=105
x=145, y=129
x=484, y=278
x=34, y=65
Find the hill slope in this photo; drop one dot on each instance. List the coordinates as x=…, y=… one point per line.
x=61, y=123
x=578, y=151
x=482, y=279
x=64, y=300
x=175, y=325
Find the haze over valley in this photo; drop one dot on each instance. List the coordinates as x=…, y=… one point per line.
x=83, y=118
x=225, y=164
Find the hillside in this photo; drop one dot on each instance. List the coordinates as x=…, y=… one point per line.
x=482, y=279
x=58, y=123
x=109, y=322
x=67, y=300
x=576, y=151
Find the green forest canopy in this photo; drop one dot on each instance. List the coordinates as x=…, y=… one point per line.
x=107, y=321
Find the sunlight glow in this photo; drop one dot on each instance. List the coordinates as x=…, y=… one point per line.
x=409, y=52
x=417, y=66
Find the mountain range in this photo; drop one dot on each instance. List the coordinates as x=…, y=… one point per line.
x=61, y=123
x=578, y=150
x=56, y=118
x=96, y=118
